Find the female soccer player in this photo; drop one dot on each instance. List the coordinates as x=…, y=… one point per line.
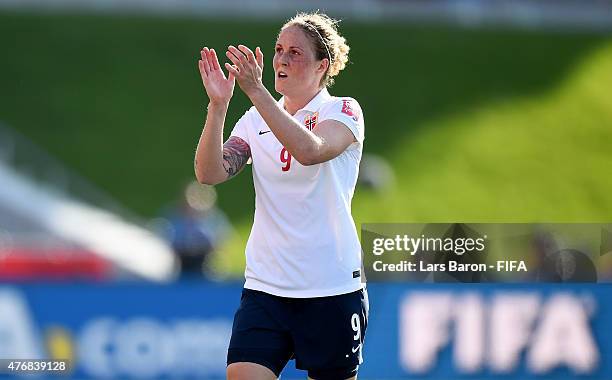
x=303, y=297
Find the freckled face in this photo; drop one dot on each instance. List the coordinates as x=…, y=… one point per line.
x=296, y=68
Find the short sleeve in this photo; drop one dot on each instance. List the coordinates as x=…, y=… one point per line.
x=241, y=129
x=348, y=112
x=242, y=126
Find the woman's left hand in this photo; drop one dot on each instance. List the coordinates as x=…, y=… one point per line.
x=247, y=67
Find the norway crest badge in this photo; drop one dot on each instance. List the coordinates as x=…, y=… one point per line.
x=311, y=121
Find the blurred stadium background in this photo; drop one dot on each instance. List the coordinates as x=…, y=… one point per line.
x=476, y=111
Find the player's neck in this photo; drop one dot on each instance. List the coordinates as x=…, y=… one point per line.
x=296, y=103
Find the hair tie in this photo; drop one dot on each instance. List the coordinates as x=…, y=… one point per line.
x=322, y=40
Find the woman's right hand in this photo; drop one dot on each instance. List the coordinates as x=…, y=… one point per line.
x=218, y=88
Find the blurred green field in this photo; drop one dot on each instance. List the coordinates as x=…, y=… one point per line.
x=479, y=125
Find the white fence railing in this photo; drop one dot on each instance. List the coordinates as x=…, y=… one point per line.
x=45, y=197
x=580, y=14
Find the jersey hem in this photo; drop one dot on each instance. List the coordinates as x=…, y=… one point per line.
x=309, y=293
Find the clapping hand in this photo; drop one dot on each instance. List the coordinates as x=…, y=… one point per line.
x=247, y=67
x=218, y=88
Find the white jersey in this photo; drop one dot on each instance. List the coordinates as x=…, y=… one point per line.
x=303, y=242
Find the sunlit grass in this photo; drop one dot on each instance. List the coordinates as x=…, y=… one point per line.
x=478, y=125
x=541, y=158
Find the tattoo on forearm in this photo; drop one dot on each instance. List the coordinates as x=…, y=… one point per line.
x=236, y=153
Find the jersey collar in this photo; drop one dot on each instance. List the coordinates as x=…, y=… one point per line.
x=314, y=104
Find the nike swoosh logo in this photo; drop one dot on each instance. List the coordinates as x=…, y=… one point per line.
x=355, y=349
x=263, y=132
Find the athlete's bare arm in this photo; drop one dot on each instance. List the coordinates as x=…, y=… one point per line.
x=236, y=153
x=216, y=162
x=327, y=141
x=225, y=164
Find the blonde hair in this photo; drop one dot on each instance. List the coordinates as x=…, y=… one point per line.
x=322, y=31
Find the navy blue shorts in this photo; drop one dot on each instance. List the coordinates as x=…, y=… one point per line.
x=324, y=334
